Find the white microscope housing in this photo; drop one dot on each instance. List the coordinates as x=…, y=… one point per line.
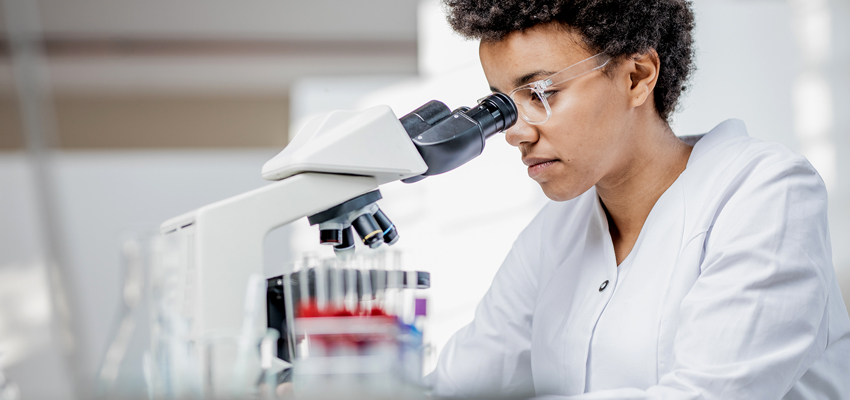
x=333, y=159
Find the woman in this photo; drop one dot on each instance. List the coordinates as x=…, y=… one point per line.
x=663, y=268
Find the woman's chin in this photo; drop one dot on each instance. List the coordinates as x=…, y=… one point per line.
x=557, y=191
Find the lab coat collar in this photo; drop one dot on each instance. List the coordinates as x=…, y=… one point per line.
x=724, y=131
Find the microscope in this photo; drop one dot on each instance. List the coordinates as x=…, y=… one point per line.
x=330, y=173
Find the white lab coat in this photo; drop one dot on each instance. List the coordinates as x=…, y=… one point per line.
x=728, y=293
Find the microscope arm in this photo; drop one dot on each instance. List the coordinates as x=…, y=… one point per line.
x=333, y=160
x=226, y=241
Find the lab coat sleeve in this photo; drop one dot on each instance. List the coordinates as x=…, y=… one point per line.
x=756, y=318
x=492, y=355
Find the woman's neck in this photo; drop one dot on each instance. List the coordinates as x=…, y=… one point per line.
x=656, y=158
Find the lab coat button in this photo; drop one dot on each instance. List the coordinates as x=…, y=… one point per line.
x=603, y=286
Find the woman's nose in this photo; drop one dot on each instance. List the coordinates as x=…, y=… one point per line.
x=521, y=132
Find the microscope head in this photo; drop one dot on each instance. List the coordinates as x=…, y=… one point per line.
x=370, y=142
x=430, y=140
x=448, y=139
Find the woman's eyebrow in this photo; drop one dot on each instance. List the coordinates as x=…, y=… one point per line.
x=525, y=79
x=530, y=76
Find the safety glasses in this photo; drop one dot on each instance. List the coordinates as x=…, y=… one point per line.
x=532, y=99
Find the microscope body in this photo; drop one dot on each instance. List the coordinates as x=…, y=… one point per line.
x=335, y=158
x=334, y=164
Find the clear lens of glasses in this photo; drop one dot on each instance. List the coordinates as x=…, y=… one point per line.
x=533, y=108
x=531, y=99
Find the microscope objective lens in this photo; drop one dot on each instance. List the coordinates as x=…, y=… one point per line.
x=389, y=230
x=368, y=230
x=347, y=242
x=330, y=236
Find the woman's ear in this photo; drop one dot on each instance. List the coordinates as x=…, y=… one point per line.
x=643, y=73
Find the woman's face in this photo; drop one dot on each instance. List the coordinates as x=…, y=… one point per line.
x=586, y=139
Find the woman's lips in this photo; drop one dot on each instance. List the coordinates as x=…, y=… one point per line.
x=538, y=167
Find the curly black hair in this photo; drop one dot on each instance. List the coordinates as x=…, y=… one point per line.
x=620, y=28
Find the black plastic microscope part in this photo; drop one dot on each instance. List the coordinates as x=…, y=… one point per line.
x=424, y=117
x=390, y=231
x=347, y=240
x=368, y=230
x=369, y=227
x=447, y=140
x=330, y=236
x=276, y=315
x=276, y=306
x=345, y=208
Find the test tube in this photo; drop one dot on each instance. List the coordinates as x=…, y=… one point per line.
x=321, y=284
x=337, y=294
x=379, y=264
x=365, y=283
x=268, y=352
x=351, y=298
x=409, y=297
x=394, y=284
x=303, y=285
x=290, y=319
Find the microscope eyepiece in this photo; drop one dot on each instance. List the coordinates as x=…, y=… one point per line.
x=502, y=109
x=459, y=136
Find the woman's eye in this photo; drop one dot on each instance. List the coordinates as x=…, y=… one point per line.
x=545, y=95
